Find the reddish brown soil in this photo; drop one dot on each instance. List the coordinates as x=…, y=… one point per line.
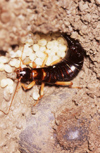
x=66, y=119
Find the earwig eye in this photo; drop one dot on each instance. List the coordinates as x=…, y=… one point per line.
x=73, y=47
x=25, y=74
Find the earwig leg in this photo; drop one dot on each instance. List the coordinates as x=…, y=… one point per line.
x=19, y=86
x=42, y=85
x=41, y=94
x=69, y=84
x=64, y=83
x=26, y=87
x=55, y=62
x=45, y=60
x=33, y=65
x=41, y=90
x=27, y=63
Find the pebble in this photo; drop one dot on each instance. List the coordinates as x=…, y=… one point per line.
x=5, y=17
x=97, y=2
x=98, y=111
x=36, y=37
x=82, y=6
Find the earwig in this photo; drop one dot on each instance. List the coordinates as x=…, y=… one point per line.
x=60, y=73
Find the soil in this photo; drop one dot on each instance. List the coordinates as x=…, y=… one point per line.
x=66, y=120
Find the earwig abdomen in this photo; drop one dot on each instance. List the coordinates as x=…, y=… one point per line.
x=67, y=69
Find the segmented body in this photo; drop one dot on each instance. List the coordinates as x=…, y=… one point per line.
x=66, y=70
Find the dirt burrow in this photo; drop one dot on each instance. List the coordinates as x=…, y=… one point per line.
x=65, y=120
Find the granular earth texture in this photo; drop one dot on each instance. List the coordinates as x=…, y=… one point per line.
x=65, y=120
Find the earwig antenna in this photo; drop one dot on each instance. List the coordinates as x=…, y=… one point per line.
x=21, y=61
x=15, y=88
x=12, y=99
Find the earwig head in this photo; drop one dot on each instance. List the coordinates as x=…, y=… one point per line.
x=24, y=74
